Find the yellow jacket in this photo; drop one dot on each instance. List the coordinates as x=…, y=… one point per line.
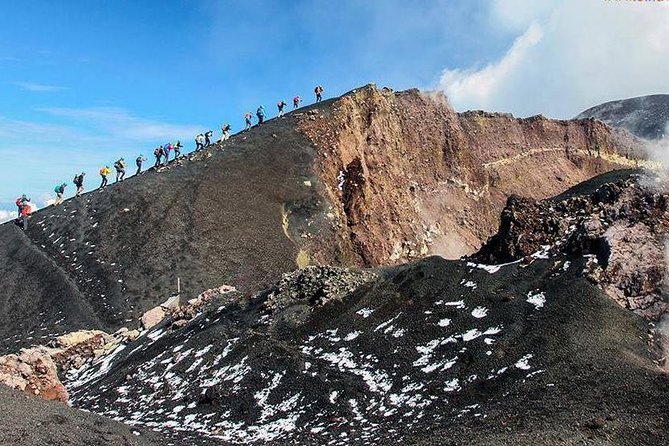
x=105, y=171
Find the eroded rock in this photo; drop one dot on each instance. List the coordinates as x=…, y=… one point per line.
x=622, y=226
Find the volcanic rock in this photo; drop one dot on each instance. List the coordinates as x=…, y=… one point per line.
x=153, y=317
x=622, y=222
x=34, y=372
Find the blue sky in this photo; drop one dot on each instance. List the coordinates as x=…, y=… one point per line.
x=83, y=83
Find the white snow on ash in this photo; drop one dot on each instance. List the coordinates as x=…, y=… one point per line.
x=536, y=299
x=523, y=363
x=479, y=312
x=365, y=312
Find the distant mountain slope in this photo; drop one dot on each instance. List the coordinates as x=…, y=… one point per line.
x=645, y=116
x=372, y=178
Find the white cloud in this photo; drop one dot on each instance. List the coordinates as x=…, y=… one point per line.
x=6, y=215
x=120, y=123
x=481, y=86
x=519, y=14
x=571, y=55
x=32, y=86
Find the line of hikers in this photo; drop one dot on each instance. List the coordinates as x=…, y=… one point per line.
x=161, y=153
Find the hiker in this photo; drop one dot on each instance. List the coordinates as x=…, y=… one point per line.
x=59, y=190
x=296, y=102
x=140, y=159
x=177, y=149
x=319, y=93
x=199, y=142
x=103, y=173
x=247, y=118
x=79, y=182
x=207, y=138
x=226, y=132
x=167, y=148
x=260, y=113
x=22, y=201
x=24, y=213
x=280, y=106
x=120, y=169
x=158, y=153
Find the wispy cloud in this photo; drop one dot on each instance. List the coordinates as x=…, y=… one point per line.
x=6, y=215
x=481, y=86
x=122, y=124
x=32, y=86
x=67, y=140
x=558, y=69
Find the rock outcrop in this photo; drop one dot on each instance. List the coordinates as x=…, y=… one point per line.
x=407, y=176
x=33, y=371
x=623, y=224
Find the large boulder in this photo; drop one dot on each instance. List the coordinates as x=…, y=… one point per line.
x=153, y=317
x=33, y=371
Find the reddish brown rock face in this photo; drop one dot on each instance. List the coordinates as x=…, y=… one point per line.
x=34, y=372
x=409, y=176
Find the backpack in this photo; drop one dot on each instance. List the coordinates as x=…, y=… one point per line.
x=75, y=180
x=57, y=189
x=103, y=172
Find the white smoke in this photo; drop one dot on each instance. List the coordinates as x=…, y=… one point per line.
x=662, y=328
x=659, y=150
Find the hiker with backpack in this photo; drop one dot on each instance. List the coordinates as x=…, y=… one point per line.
x=103, y=173
x=79, y=182
x=22, y=201
x=177, y=150
x=60, y=191
x=260, y=113
x=280, y=106
x=226, y=132
x=120, y=169
x=207, y=138
x=140, y=159
x=199, y=142
x=319, y=93
x=158, y=153
x=167, y=148
x=24, y=213
x=247, y=118
x=296, y=102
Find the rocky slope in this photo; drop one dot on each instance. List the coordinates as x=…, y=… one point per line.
x=645, y=116
x=436, y=352
x=371, y=178
x=620, y=219
x=28, y=421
